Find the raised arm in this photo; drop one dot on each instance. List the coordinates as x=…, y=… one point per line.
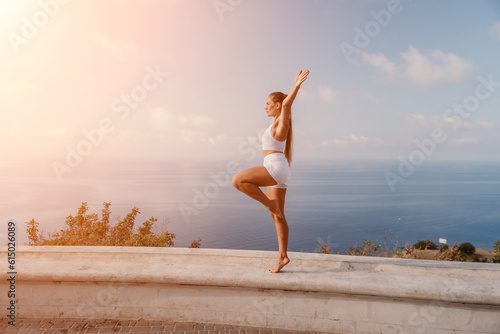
x=286, y=108
x=299, y=79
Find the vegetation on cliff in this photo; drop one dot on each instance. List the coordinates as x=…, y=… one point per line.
x=87, y=229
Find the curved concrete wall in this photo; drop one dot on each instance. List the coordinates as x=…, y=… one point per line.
x=320, y=292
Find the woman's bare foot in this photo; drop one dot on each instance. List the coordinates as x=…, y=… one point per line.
x=280, y=264
x=274, y=208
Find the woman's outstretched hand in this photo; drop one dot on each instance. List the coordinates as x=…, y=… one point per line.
x=287, y=102
x=301, y=77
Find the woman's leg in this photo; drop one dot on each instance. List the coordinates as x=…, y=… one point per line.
x=249, y=181
x=281, y=227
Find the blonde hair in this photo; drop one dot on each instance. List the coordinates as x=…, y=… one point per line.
x=280, y=97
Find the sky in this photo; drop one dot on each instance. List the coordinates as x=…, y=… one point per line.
x=162, y=79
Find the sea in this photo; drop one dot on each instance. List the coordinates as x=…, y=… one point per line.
x=339, y=203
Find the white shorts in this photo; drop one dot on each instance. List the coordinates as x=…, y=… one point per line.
x=277, y=165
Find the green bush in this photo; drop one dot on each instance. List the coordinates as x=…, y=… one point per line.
x=496, y=258
x=427, y=244
x=368, y=249
x=457, y=255
x=451, y=253
x=443, y=248
x=467, y=248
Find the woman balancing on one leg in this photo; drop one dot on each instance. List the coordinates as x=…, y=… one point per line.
x=277, y=150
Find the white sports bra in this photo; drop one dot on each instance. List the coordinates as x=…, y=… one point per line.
x=271, y=144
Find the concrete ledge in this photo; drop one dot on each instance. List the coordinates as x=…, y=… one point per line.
x=320, y=292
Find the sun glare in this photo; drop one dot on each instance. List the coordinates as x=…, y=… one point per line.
x=12, y=12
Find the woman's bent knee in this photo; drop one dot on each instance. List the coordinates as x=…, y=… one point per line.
x=236, y=181
x=278, y=220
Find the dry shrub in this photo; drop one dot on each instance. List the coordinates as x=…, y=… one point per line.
x=451, y=253
x=370, y=248
x=409, y=251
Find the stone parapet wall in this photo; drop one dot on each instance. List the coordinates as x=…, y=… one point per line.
x=318, y=292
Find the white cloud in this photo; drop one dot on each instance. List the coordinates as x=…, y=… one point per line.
x=119, y=48
x=381, y=62
x=323, y=93
x=495, y=29
x=327, y=94
x=216, y=140
x=370, y=97
x=190, y=128
x=161, y=118
x=352, y=140
x=478, y=125
x=465, y=141
x=304, y=94
x=433, y=67
x=432, y=122
x=196, y=121
x=429, y=122
x=165, y=119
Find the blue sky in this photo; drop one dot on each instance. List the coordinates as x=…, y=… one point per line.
x=224, y=57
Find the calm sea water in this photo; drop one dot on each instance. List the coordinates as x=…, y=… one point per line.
x=340, y=202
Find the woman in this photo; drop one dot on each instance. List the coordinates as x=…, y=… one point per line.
x=275, y=174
